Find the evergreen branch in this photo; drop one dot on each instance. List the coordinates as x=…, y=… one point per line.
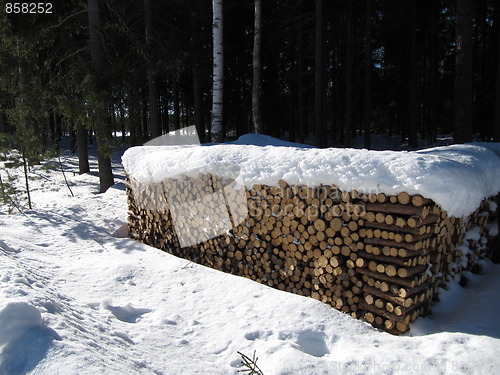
x=6, y=195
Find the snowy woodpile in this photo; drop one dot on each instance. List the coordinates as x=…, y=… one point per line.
x=373, y=234
x=374, y=256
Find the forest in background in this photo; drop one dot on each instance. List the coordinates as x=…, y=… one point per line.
x=328, y=71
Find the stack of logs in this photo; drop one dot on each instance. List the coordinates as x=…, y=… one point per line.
x=377, y=257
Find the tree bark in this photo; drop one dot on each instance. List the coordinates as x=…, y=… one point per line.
x=197, y=77
x=81, y=143
x=144, y=117
x=412, y=131
x=165, y=113
x=348, y=78
x=301, y=132
x=122, y=121
x=319, y=93
x=496, y=130
x=55, y=131
x=96, y=47
x=177, y=106
x=103, y=134
x=72, y=139
x=153, y=92
x=463, y=72
x=256, y=86
x=480, y=81
x=218, y=72
x=186, y=114
x=22, y=128
x=134, y=115
x=433, y=72
x=3, y=124
x=367, y=118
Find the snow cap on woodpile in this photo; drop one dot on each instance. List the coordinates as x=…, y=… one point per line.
x=457, y=177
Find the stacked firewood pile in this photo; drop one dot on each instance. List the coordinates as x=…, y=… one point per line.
x=374, y=256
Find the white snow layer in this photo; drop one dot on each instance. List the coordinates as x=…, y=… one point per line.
x=78, y=297
x=456, y=177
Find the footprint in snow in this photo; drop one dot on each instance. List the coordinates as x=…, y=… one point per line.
x=312, y=343
x=126, y=313
x=254, y=335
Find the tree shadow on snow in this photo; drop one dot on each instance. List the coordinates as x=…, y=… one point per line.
x=119, y=184
x=22, y=355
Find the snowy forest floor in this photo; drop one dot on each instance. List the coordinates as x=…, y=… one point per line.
x=79, y=297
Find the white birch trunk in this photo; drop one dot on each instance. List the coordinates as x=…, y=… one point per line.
x=256, y=85
x=218, y=73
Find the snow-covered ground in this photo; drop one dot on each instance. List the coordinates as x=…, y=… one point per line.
x=78, y=297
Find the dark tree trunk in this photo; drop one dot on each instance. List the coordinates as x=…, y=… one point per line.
x=196, y=50
x=3, y=124
x=177, y=106
x=319, y=93
x=413, y=113
x=96, y=48
x=462, y=131
x=112, y=119
x=186, y=114
x=367, y=119
x=300, y=81
x=165, y=115
x=135, y=116
x=433, y=73
x=347, y=138
x=52, y=141
x=496, y=131
x=480, y=82
x=83, y=154
x=55, y=130
x=103, y=134
x=122, y=122
x=153, y=106
x=256, y=85
x=153, y=92
x=144, y=118
x=72, y=140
